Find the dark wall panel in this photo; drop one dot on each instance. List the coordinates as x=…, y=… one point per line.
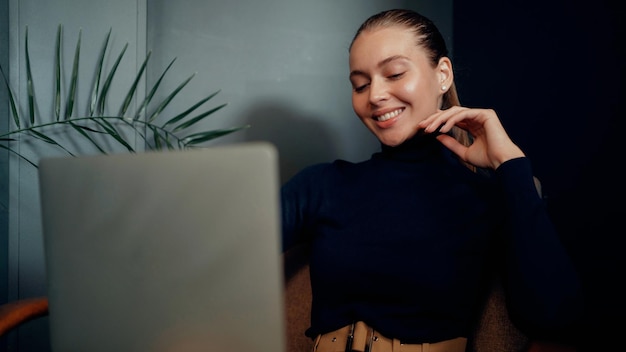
x=554, y=73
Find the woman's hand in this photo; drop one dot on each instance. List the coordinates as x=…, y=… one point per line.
x=492, y=145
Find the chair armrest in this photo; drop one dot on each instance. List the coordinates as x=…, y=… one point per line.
x=12, y=314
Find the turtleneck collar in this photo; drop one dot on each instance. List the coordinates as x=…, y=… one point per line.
x=416, y=148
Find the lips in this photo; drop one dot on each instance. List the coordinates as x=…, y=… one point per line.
x=388, y=115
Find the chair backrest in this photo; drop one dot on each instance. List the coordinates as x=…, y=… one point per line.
x=494, y=330
x=297, y=299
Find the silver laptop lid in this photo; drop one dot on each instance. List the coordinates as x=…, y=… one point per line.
x=164, y=251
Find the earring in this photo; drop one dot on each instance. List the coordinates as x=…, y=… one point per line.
x=443, y=88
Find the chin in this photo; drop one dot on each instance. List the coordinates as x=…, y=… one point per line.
x=392, y=141
x=393, y=136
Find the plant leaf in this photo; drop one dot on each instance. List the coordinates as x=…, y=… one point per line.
x=96, y=84
x=140, y=124
x=47, y=139
x=113, y=133
x=168, y=99
x=29, y=83
x=156, y=137
x=148, y=98
x=57, y=73
x=188, y=111
x=71, y=97
x=108, y=127
x=81, y=129
x=18, y=154
x=107, y=83
x=198, y=118
x=14, y=111
x=133, y=88
x=159, y=139
x=43, y=137
x=202, y=137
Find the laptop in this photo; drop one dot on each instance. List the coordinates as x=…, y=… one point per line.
x=164, y=251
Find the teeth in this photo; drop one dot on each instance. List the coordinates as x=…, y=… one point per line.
x=389, y=115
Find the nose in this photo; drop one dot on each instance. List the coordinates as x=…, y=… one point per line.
x=378, y=91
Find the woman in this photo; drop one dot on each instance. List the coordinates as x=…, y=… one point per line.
x=403, y=244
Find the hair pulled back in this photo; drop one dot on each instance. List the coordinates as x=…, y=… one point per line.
x=428, y=37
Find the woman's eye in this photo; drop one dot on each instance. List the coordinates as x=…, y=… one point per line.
x=361, y=88
x=396, y=75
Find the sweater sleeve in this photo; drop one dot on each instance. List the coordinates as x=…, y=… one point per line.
x=299, y=196
x=543, y=291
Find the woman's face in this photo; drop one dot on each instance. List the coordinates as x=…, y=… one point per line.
x=395, y=86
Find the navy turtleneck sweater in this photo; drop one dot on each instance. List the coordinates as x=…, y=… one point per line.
x=406, y=242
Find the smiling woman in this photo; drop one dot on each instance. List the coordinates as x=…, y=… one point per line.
x=403, y=245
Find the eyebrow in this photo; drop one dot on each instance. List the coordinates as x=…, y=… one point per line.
x=380, y=64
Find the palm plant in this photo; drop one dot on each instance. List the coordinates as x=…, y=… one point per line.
x=171, y=134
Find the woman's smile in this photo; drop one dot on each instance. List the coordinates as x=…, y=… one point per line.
x=388, y=115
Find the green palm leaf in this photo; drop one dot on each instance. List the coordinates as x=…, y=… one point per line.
x=96, y=85
x=201, y=137
x=12, y=101
x=133, y=88
x=57, y=74
x=150, y=95
x=83, y=131
x=29, y=83
x=197, y=119
x=140, y=126
x=169, y=98
x=71, y=97
x=107, y=82
x=17, y=154
x=189, y=111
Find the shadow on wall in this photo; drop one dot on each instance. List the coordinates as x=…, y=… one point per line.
x=301, y=140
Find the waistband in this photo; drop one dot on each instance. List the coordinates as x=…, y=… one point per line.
x=359, y=337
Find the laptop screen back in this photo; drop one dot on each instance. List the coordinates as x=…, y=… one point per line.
x=164, y=251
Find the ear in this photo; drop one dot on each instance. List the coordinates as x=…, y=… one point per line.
x=445, y=74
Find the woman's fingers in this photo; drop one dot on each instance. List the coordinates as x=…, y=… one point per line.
x=444, y=120
x=454, y=145
x=491, y=146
